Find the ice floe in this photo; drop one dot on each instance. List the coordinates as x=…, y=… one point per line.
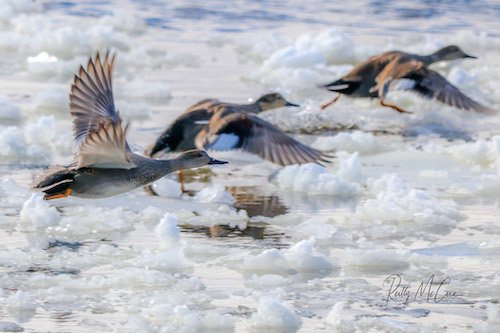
x=271, y=313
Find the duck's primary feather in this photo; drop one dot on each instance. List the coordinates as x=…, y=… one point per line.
x=242, y=130
x=100, y=140
x=413, y=75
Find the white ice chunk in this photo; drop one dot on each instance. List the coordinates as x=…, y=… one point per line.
x=37, y=213
x=271, y=313
x=167, y=232
x=215, y=193
x=304, y=258
x=316, y=180
x=168, y=188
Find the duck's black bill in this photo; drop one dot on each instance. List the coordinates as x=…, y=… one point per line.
x=214, y=161
x=469, y=56
x=291, y=104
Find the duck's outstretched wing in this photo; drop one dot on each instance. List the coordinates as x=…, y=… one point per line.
x=97, y=127
x=250, y=133
x=432, y=85
x=414, y=76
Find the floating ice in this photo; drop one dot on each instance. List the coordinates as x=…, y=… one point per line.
x=9, y=111
x=167, y=232
x=271, y=313
x=301, y=257
x=10, y=327
x=269, y=261
x=316, y=180
x=377, y=261
x=51, y=101
x=12, y=193
x=433, y=174
x=124, y=21
x=340, y=318
x=20, y=306
x=411, y=210
x=149, y=91
x=316, y=227
x=92, y=221
x=223, y=215
x=168, y=188
x=350, y=169
x=42, y=57
x=267, y=281
x=304, y=258
x=357, y=141
x=482, y=152
x=215, y=193
x=12, y=142
x=37, y=213
x=492, y=323
x=37, y=141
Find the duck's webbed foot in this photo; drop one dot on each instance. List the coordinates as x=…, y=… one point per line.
x=327, y=104
x=395, y=107
x=181, y=180
x=65, y=194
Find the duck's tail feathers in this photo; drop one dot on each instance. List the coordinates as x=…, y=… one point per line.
x=342, y=86
x=56, y=180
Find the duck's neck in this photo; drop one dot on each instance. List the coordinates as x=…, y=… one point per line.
x=164, y=167
x=429, y=59
x=252, y=107
x=434, y=57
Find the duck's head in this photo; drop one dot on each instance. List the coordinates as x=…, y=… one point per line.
x=452, y=52
x=273, y=101
x=196, y=158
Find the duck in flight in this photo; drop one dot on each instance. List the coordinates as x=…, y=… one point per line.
x=104, y=164
x=396, y=70
x=212, y=124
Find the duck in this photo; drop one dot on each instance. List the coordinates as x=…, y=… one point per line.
x=104, y=164
x=397, y=70
x=214, y=125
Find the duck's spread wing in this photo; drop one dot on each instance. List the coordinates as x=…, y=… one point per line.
x=415, y=76
x=97, y=127
x=105, y=148
x=252, y=134
x=432, y=85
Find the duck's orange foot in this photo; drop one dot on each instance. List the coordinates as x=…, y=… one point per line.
x=394, y=107
x=66, y=193
x=327, y=104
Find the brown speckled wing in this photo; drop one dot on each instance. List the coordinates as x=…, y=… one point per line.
x=105, y=148
x=91, y=98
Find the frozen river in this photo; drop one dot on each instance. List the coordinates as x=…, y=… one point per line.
x=400, y=233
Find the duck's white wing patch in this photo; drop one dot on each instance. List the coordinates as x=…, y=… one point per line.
x=201, y=122
x=224, y=141
x=105, y=148
x=402, y=84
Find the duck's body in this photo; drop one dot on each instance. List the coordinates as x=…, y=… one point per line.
x=105, y=182
x=212, y=124
x=181, y=134
x=104, y=164
x=367, y=79
x=359, y=81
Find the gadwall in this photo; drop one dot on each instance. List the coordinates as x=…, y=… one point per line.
x=211, y=124
x=104, y=164
x=368, y=78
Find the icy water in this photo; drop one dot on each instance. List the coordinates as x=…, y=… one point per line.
x=400, y=233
